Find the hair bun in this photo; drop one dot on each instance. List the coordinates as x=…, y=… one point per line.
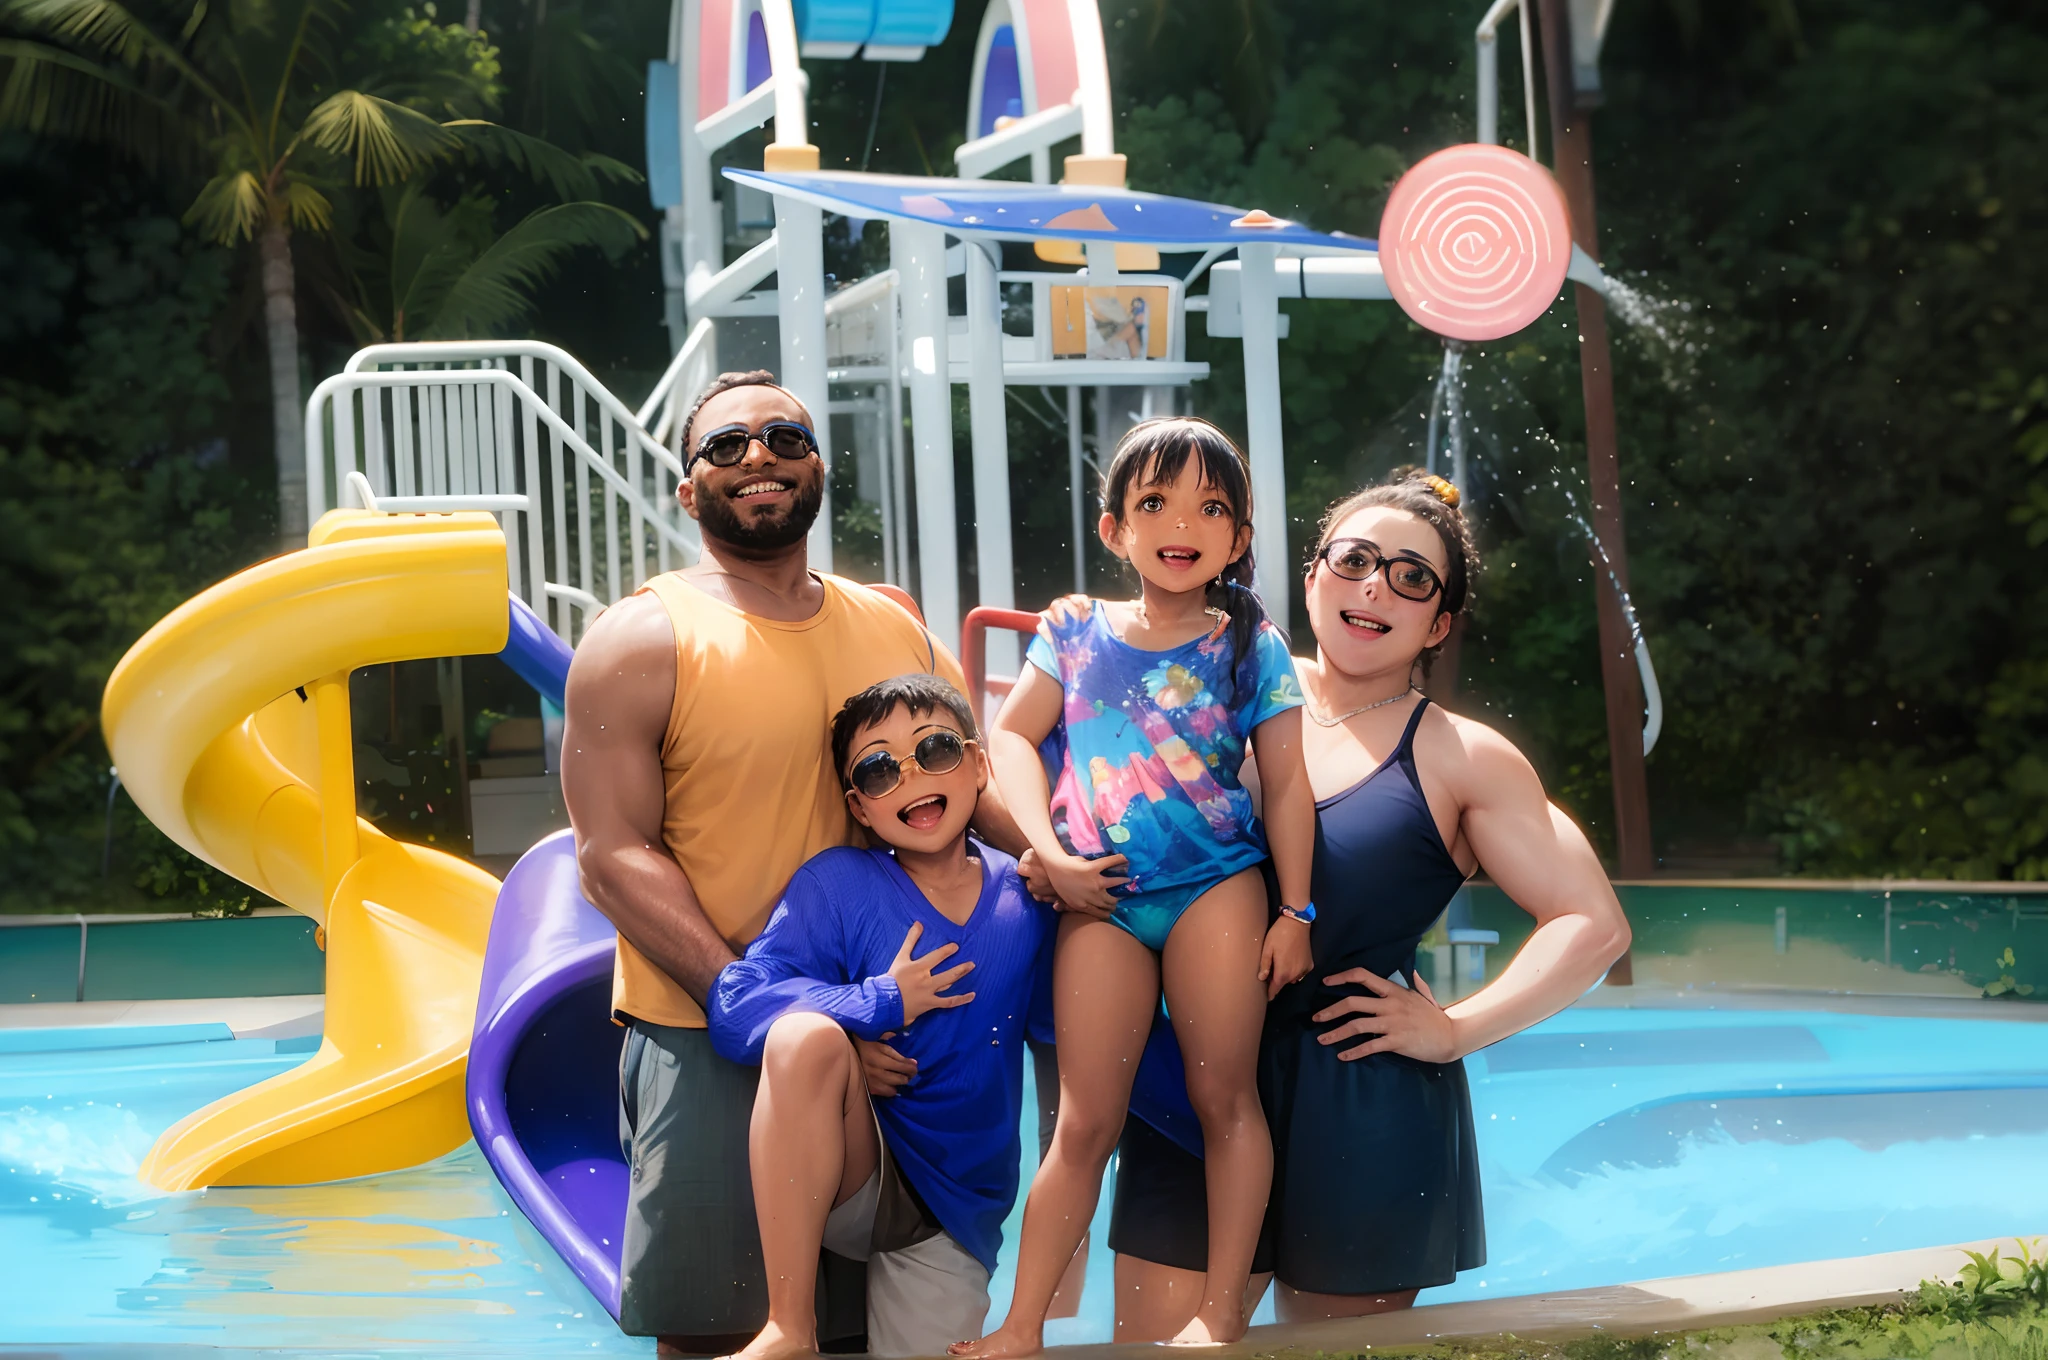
x=1442, y=489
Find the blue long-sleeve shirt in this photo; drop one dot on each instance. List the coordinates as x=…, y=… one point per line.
x=828, y=946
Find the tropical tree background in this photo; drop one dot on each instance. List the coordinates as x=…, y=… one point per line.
x=1833, y=395
x=278, y=109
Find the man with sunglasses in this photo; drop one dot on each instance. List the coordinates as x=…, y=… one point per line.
x=696, y=773
x=930, y=941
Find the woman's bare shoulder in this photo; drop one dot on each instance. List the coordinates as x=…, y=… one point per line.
x=1466, y=749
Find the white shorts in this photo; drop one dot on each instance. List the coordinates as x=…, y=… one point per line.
x=922, y=1297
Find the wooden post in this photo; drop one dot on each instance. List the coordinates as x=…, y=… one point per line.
x=1572, y=149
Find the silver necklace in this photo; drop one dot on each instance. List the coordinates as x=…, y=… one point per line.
x=1343, y=718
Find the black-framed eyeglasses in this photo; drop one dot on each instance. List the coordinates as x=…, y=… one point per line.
x=877, y=775
x=1356, y=559
x=726, y=445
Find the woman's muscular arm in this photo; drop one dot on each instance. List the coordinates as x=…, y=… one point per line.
x=621, y=688
x=1540, y=858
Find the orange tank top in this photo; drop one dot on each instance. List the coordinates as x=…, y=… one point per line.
x=747, y=760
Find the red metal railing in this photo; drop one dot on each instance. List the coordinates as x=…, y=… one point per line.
x=974, y=651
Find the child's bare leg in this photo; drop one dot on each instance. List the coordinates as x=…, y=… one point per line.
x=812, y=1145
x=1105, y=989
x=1218, y=1005
x=1066, y=1300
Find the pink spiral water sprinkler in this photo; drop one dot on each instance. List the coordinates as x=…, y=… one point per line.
x=1475, y=242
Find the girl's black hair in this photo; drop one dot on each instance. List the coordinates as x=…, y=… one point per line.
x=1155, y=451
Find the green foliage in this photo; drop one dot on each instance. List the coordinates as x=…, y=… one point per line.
x=2005, y=984
x=1992, y=1284
x=1996, y=1310
x=116, y=503
x=438, y=274
x=1833, y=437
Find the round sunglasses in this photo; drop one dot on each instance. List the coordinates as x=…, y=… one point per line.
x=726, y=445
x=1356, y=559
x=878, y=774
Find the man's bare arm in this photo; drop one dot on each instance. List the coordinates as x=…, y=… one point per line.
x=993, y=820
x=621, y=689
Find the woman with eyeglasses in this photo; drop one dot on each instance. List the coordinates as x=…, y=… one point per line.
x=1376, y=1176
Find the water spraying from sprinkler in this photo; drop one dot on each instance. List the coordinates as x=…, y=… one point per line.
x=1671, y=331
x=1482, y=454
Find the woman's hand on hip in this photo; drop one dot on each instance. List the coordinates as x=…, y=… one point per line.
x=1406, y=1021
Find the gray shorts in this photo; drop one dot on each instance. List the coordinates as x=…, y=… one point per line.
x=690, y=1261
x=925, y=1290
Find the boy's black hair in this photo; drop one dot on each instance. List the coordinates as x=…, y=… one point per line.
x=918, y=692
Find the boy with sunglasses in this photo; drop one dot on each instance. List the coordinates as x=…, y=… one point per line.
x=927, y=939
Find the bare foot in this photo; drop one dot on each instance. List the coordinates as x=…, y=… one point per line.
x=1000, y=1343
x=774, y=1343
x=1209, y=1329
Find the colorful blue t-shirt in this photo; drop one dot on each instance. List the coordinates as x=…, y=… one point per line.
x=1145, y=759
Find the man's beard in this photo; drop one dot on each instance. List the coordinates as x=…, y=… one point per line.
x=719, y=519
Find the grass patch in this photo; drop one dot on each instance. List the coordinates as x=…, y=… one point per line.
x=1996, y=1309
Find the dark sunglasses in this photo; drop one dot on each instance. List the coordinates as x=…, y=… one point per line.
x=726, y=445
x=1356, y=559
x=877, y=775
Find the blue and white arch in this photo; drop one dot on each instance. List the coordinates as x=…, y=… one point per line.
x=1040, y=76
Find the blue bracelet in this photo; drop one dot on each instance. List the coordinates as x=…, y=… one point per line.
x=1305, y=914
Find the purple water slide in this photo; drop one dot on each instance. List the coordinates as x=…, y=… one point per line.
x=543, y=1082
x=543, y=1087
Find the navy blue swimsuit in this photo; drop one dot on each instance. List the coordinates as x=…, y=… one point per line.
x=1376, y=1173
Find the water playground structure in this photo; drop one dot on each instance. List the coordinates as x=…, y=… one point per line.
x=492, y=497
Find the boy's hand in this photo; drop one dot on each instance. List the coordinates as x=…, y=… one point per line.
x=886, y=1070
x=1037, y=882
x=1285, y=958
x=1083, y=885
x=920, y=985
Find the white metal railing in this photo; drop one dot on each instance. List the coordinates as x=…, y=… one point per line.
x=689, y=373
x=518, y=428
x=1032, y=135
x=865, y=372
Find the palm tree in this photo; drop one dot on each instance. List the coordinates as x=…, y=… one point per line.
x=448, y=274
x=246, y=93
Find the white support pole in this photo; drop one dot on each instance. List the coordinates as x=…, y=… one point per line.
x=1077, y=490
x=792, y=119
x=1489, y=87
x=918, y=254
x=703, y=233
x=1091, y=71
x=989, y=423
x=1260, y=301
x=800, y=309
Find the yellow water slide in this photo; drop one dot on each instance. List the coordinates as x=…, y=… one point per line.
x=229, y=723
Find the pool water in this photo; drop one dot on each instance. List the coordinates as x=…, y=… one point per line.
x=1615, y=1145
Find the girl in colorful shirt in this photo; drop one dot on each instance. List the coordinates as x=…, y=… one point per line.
x=1119, y=754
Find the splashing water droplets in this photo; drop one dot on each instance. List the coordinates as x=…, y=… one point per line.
x=1670, y=331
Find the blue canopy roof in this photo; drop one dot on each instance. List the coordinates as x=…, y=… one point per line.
x=1011, y=211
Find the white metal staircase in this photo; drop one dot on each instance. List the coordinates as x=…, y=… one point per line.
x=584, y=487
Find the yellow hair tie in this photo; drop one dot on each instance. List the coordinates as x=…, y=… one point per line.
x=1444, y=491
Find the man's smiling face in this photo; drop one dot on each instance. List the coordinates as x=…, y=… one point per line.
x=762, y=503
